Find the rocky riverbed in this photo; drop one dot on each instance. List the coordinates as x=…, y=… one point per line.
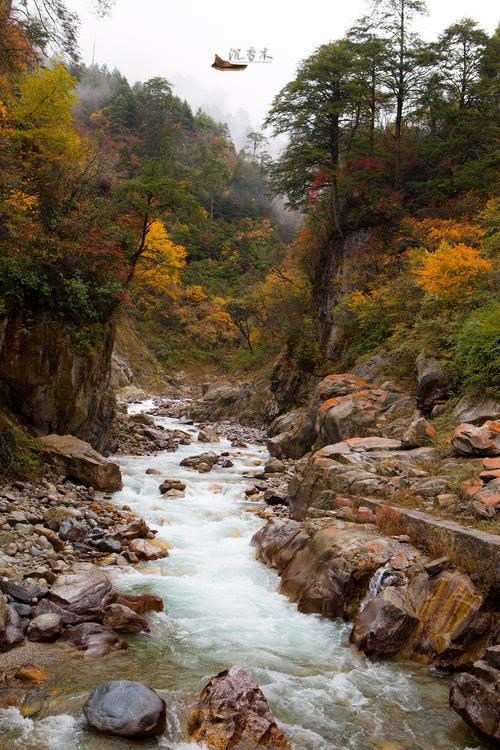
x=159, y=581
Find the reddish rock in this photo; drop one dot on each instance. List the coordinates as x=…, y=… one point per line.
x=489, y=494
x=141, y=603
x=353, y=415
x=232, y=712
x=93, y=638
x=340, y=384
x=491, y=463
x=122, y=619
x=470, y=440
x=134, y=530
x=489, y=474
x=146, y=550
x=471, y=486
x=53, y=538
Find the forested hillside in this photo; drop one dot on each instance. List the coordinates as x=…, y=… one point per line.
x=392, y=157
x=119, y=203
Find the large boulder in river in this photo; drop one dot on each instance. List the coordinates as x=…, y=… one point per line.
x=469, y=440
x=126, y=708
x=384, y=624
x=79, y=461
x=322, y=571
x=232, y=712
x=82, y=592
x=121, y=618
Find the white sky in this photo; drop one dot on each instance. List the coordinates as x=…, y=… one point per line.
x=177, y=39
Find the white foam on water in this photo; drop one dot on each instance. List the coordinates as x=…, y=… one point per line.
x=57, y=732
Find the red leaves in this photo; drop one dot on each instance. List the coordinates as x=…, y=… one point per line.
x=321, y=181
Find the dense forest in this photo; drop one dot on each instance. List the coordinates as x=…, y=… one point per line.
x=118, y=201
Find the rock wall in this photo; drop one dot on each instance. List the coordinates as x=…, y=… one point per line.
x=50, y=385
x=338, y=271
x=401, y=602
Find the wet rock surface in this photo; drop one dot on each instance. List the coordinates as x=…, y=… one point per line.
x=126, y=709
x=232, y=712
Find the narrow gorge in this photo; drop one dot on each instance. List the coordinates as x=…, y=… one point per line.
x=249, y=376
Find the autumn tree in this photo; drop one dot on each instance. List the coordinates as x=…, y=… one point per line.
x=449, y=273
x=146, y=199
x=241, y=313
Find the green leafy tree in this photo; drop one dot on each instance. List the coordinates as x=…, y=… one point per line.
x=319, y=110
x=461, y=51
x=369, y=53
x=404, y=59
x=256, y=140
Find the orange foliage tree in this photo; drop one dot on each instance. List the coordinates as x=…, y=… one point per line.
x=450, y=272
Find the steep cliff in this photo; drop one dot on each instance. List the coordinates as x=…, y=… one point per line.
x=53, y=384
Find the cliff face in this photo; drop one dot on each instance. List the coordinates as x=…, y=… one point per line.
x=339, y=270
x=50, y=385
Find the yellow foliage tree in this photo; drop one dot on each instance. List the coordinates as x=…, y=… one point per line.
x=41, y=115
x=431, y=232
x=162, y=262
x=450, y=272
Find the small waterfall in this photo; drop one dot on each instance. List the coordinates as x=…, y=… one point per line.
x=376, y=584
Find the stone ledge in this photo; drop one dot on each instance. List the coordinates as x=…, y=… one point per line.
x=475, y=552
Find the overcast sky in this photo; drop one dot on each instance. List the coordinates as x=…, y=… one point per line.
x=177, y=39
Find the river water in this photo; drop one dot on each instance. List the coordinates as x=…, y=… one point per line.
x=221, y=609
